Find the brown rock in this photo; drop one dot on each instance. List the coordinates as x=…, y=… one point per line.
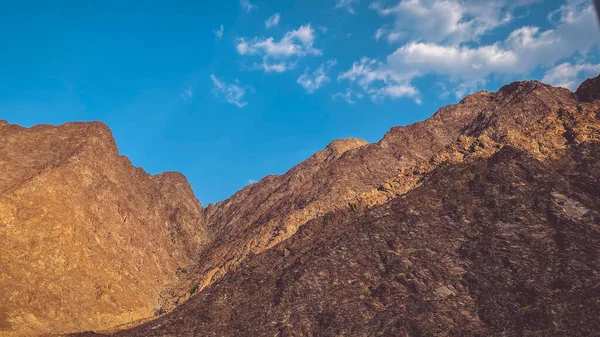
x=88, y=240
x=589, y=90
x=477, y=221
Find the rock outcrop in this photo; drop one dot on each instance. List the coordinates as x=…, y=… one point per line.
x=88, y=240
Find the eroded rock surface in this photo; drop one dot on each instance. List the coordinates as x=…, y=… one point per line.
x=482, y=220
x=266, y=213
x=88, y=240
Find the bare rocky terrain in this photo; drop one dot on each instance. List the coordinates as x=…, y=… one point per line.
x=88, y=240
x=481, y=220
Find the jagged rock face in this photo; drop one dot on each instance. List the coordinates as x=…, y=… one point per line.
x=88, y=240
x=504, y=245
x=263, y=214
x=482, y=220
x=440, y=227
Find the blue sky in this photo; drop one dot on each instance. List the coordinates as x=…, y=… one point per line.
x=229, y=91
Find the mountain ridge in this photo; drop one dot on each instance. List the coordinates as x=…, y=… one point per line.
x=343, y=185
x=270, y=211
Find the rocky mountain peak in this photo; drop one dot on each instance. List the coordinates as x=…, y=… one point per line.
x=337, y=147
x=589, y=90
x=88, y=239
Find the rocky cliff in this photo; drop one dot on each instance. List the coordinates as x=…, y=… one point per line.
x=482, y=220
x=270, y=211
x=88, y=240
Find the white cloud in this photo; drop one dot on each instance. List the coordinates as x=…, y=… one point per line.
x=272, y=21
x=187, y=94
x=395, y=91
x=460, y=63
x=230, y=93
x=312, y=82
x=252, y=181
x=379, y=81
x=219, y=33
x=347, y=5
x=294, y=45
x=452, y=21
x=367, y=71
x=574, y=32
x=274, y=67
x=569, y=75
x=349, y=96
x=247, y=5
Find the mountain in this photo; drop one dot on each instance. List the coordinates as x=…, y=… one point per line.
x=482, y=220
x=88, y=240
x=263, y=214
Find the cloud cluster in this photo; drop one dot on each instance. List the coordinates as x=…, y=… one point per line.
x=439, y=49
x=568, y=75
x=378, y=80
x=452, y=21
x=281, y=55
x=312, y=82
x=228, y=92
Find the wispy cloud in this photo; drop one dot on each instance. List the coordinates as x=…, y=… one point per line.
x=312, y=82
x=219, y=33
x=281, y=55
x=349, y=96
x=568, y=75
x=347, y=5
x=272, y=21
x=187, y=94
x=228, y=92
x=269, y=66
x=247, y=5
x=252, y=181
x=379, y=82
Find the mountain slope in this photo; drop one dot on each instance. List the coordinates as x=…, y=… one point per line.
x=504, y=245
x=493, y=233
x=87, y=239
x=270, y=211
